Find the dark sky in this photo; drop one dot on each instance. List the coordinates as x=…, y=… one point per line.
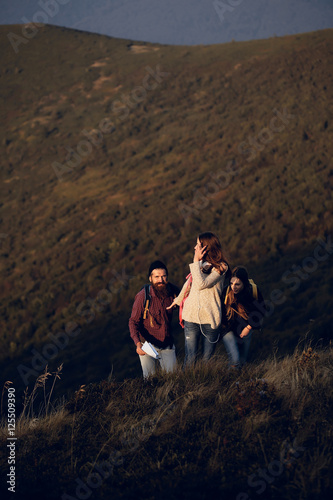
x=176, y=21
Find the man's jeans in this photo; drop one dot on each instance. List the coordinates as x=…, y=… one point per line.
x=237, y=348
x=193, y=332
x=167, y=361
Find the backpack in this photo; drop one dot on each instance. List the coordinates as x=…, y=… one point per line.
x=147, y=300
x=254, y=290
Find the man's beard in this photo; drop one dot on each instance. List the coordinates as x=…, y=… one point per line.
x=161, y=290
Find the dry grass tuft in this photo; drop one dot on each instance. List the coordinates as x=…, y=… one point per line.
x=201, y=424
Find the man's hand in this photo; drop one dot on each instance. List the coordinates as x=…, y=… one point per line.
x=139, y=349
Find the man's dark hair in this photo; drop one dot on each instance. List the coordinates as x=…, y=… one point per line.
x=157, y=264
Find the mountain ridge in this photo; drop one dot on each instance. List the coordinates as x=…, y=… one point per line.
x=189, y=23
x=194, y=138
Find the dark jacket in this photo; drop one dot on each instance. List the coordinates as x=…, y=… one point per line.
x=255, y=310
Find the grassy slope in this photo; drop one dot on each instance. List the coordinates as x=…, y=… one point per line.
x=123, y=205
x=195, y=434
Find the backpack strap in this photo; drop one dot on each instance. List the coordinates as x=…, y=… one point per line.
x=254, y=289
x=226, y=294
x=147, y=301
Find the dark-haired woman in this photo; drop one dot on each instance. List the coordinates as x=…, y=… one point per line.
x=244, y=312
x=202, y=312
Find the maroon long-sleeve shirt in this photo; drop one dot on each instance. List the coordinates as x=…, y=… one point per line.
x=156, y=328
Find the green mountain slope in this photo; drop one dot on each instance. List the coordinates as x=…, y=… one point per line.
x=116, y=152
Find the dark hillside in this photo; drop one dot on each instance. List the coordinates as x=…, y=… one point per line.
x=195, y=434
x=116, y=152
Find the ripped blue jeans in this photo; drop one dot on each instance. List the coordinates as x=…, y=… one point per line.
x=193, y=332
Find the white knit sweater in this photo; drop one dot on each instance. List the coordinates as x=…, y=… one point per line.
x=203, y=305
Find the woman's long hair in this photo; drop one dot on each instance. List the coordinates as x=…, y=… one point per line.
x=232, y=305
x=214, y=254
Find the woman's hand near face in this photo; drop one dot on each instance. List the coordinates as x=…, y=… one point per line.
x=199, y=252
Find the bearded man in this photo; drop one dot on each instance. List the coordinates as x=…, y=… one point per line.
x=151, y=320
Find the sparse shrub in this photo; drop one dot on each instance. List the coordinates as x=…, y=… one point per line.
x=308, y=359
x=254, y=396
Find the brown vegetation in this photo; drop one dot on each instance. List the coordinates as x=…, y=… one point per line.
x=180, y=160
x=202, y=432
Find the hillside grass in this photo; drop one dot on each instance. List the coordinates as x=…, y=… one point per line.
x=146, y=191
x=198, y=433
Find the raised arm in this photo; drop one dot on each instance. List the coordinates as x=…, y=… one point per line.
x=202, y=280
x=177, y=300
